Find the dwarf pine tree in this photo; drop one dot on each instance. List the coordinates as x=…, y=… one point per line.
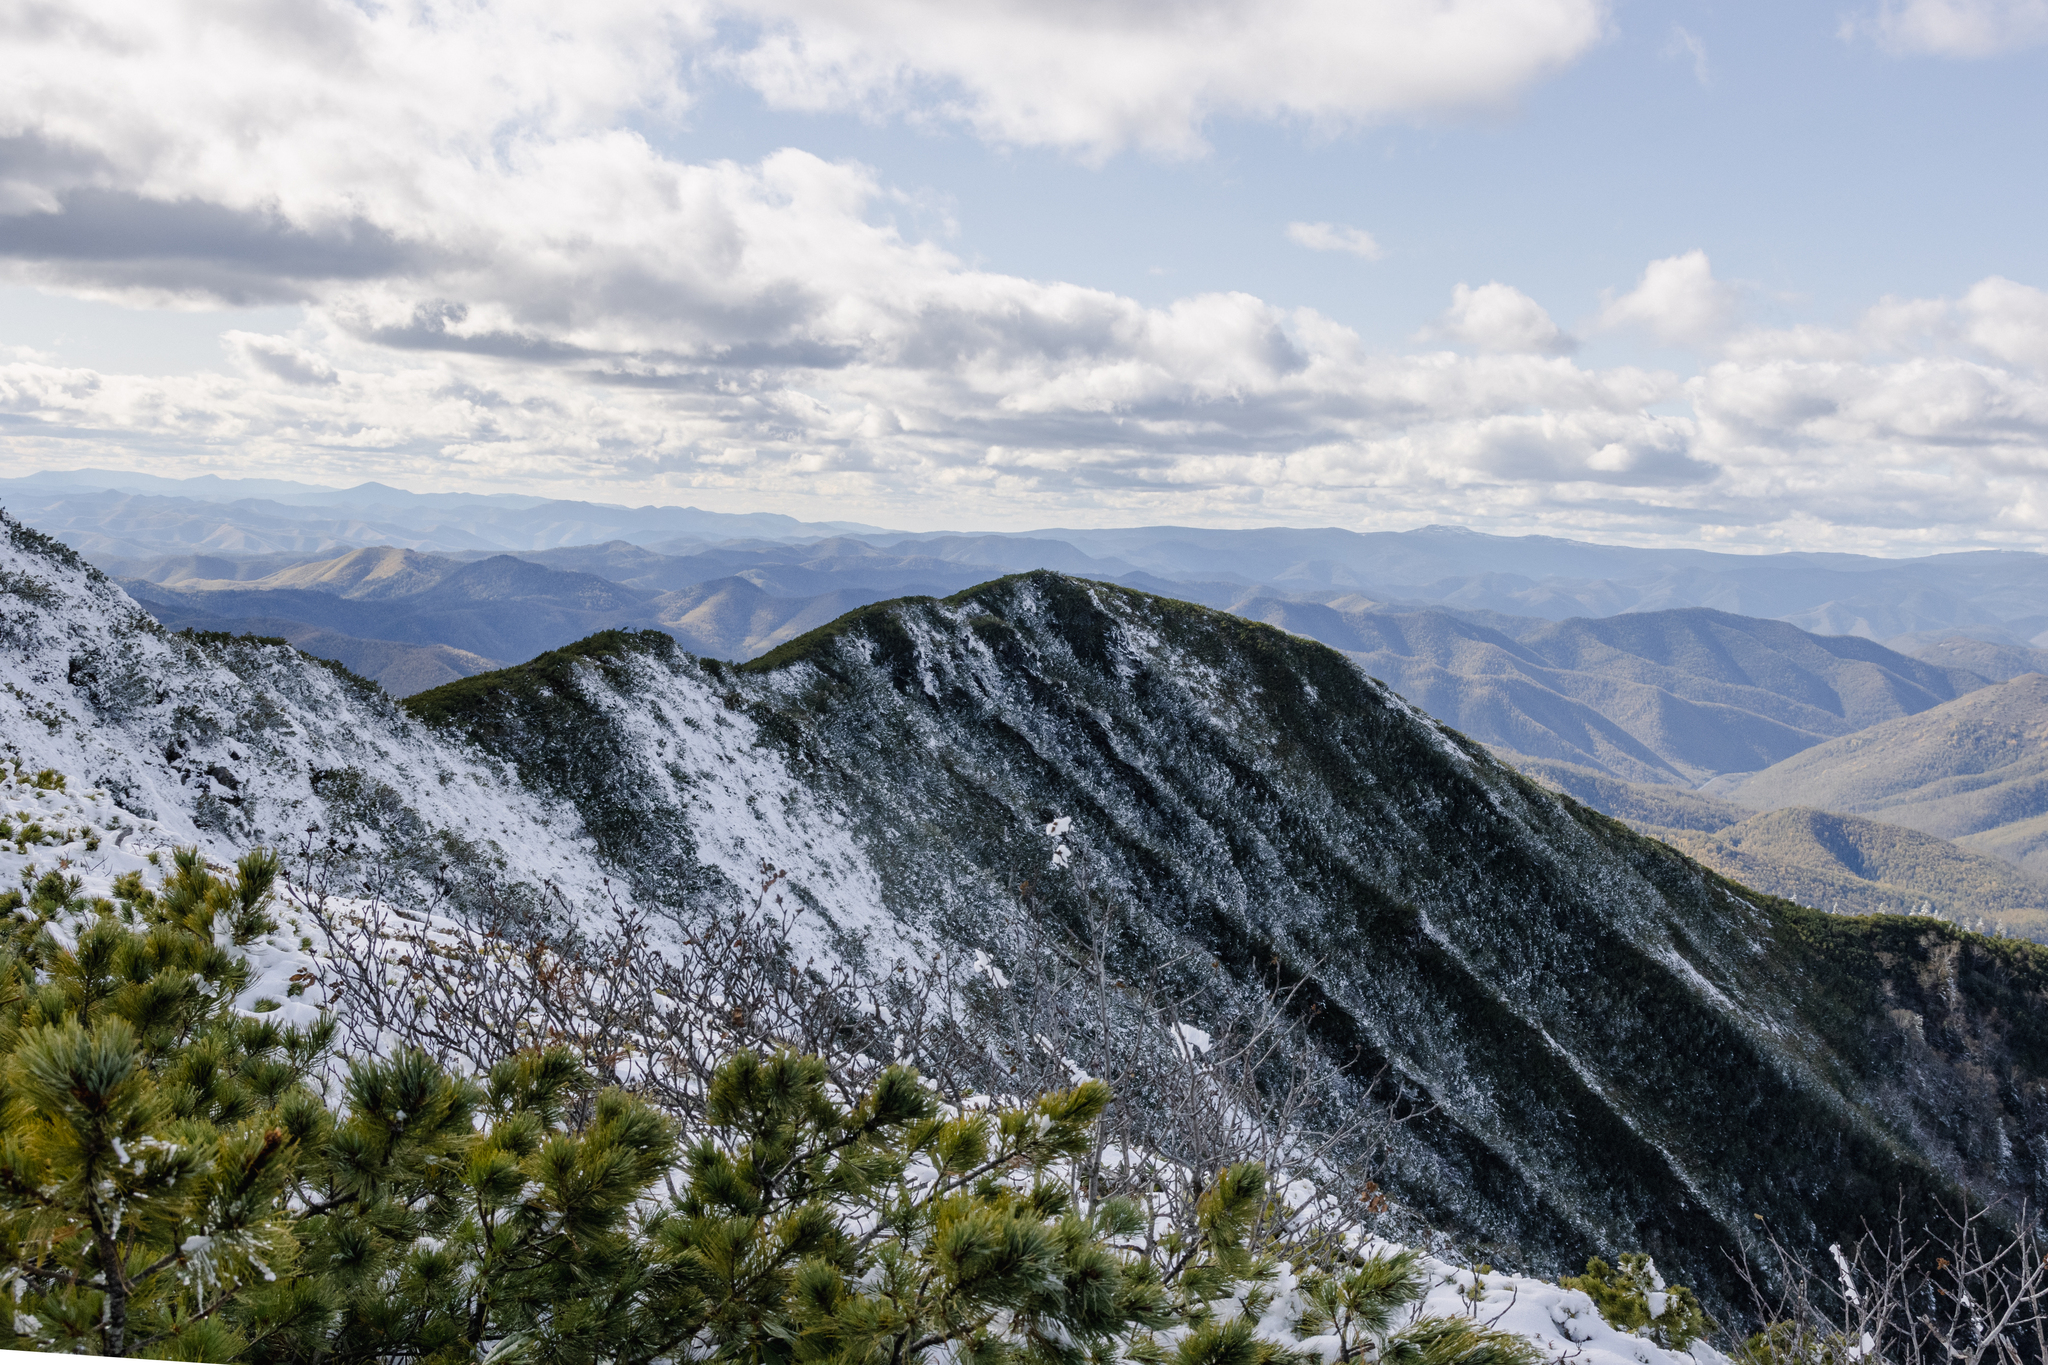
x=182, y=1178
x=141, y=1166
x=1631, y=1295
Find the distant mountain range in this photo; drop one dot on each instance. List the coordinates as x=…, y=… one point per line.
x=126, y=522
x=112, y=516
x=503, y=608
x=1666, y=696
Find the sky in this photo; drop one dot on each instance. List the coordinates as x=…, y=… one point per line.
x=1683, y=273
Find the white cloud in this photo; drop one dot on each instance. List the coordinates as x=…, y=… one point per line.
x=1500, y=317
x=2008, y=322
x=1678, y=301
x=504, y=282
x=1100, y=75
x=1071, y=404
x=279, y=357
x=1996, y=321
x=1685, y=43
x=1956, y=28
x=1336, y=237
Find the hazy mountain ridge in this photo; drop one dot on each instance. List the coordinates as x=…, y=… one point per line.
x=494, y=607
x=1670, y=696
x=1242, y=793
x=128, y=515
x=1992, y=595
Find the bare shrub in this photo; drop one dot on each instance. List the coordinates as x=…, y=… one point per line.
x=1968, y=1286
x=1206, y=1072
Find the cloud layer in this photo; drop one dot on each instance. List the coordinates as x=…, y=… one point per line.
x=505, y=281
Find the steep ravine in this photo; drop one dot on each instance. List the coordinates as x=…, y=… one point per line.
x=1623, y=1049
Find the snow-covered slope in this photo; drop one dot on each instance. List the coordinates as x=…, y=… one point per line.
x=233, y=743
x=1615, y=1049
x=229, y=745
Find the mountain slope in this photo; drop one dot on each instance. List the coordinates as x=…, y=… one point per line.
x=1587, y=1009
x=235, y=742
x=1607, y=1047
x=400, y=669
x=1974, y=770
x=231, y=743
x=1641, y=805
x=1849, y=865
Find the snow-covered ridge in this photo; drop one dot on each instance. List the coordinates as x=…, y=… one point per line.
x=1582, y=1010
x=229, y=745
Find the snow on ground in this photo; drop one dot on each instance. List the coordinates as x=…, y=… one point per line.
x=83, y=835
x=743, y=805
x=1562, y=1323
x=228, y=757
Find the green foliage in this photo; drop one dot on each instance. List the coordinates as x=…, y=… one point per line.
x=143, y=1164
x=970, y=1250
x=171, y=1184
x=1458, y=1341
x=1358, y=1307
x=181, y=1177
x=1634, y=1298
